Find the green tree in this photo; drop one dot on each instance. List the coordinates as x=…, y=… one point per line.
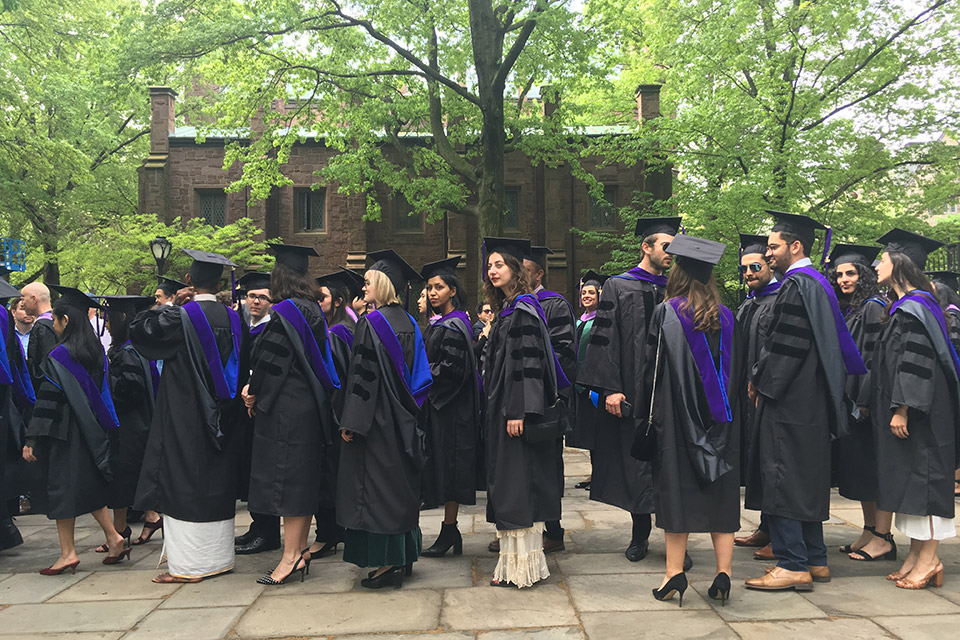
x=114, y=258
x=73, y=127
x=423, y=97
x=796, y=105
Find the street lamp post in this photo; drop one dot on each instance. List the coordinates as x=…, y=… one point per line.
x=160, y=248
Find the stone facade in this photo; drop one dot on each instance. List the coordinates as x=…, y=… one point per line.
x=183, y=178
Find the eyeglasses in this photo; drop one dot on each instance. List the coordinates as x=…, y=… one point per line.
x=252, y=297
x=755, y=267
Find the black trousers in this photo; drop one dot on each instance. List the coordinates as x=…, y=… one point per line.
x=267, y=527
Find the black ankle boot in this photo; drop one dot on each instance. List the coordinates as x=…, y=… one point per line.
x=449, y=537
x=9, y=534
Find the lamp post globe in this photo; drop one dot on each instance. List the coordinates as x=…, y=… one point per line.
x=160, y=248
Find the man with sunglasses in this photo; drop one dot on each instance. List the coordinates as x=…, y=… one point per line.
x=264, y=532
x=754, y=317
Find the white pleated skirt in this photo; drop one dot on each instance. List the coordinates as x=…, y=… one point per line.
x=926, y=527
x=197, y=549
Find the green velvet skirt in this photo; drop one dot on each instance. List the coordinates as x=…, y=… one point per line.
x=366, y=549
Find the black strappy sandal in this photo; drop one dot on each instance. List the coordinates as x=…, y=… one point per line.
x=889, y=555
x=847, y=548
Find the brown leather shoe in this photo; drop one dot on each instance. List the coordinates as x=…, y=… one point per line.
x=820, y=574
x=552, y=546
x=765, y=553
x=756, y=539
x=494, y=547
x=780, y=580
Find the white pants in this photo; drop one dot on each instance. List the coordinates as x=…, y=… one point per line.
x=197, y=549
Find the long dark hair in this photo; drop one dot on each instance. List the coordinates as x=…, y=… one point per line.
x=338, y=314
x=78, y=336
x=119, y=329
x=286, y=283
x=704, y=299
x=907, y=275
x=459, y=299
x=867, y=287
x=518, y=285
x=945, y=295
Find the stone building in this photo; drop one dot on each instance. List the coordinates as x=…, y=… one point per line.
x=184, y=178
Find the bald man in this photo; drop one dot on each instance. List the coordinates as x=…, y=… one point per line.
x=36, y=302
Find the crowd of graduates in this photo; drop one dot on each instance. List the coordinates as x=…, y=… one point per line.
x=323, y=400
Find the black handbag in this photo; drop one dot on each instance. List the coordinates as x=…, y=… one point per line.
x=645, y=441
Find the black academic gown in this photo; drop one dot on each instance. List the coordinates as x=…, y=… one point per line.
x=522, y=485
x=42, y=339
x=378, y=483
x=190, y=464
x=72, y=449
x=855, y=455
x=14, y=471
x=131, y=386
x=789, y=474
x=696, y=471
x=586, y=415
x=330, y=463
x=293, y=420
x=613, y=363
x=754, y=317
x=245, y=422
x=451, y=416
x=952, y=316
x=909, y=369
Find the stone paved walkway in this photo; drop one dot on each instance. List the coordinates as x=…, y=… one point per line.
x=593, y=592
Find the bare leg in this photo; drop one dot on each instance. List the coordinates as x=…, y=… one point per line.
x=723, y=550
x=878, y=546
x=869, y=520
x=120, y=519
x=676, y=550
x=927, y=559
x=68, y=550
x=295, y=532
x=450, y=510
x=114, y=539
x=911, y=560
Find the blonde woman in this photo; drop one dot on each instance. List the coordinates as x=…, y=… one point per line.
x=382, y=455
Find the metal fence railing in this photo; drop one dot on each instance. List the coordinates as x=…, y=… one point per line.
x=12, y=254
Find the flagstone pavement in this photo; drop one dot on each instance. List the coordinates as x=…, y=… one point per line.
x=593, y=591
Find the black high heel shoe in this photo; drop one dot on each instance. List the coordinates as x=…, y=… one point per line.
x=449, y=538
x=675, y=585
x=328, y=549
x=407, y=571
x=391, y=577
x=720, y=589
x=307, y=560
x=268, y=579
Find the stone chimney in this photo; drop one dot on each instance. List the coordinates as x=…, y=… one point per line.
x=162, y=102
x=648, y=102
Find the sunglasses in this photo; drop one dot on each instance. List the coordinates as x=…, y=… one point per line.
x=755, y=267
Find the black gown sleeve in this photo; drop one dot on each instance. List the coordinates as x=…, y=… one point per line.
x=448, y=366
x=50, y=416
x=601, y=366
x=916, y=362
x=363, y=384
x=157, y=334
x=789, y=341
x=526, y=368
x=270, y=354
x=563, y=336
x=42, y=340
x=127, y=383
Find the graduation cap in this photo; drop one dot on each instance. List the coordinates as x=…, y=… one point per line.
x=8, y=291
x=253, y=281
x=752, y=244
x=804, y=227
x=129, y=305
x=394, y=267
x=539, y=255
x=594, y=278
x=858, y=253
x=206, y=265
x=169, y=286
x=697, y=256
x=949, y=278
x=75, y=298
x=913, y=245
x=346, y=280
x=293, y=256
x=649, y=226
x=516, y=247
x=446, y=267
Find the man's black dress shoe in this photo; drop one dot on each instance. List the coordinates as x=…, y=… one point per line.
x=9, y=535
x=637, y=551
x=258, y=544
x=245, y=538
